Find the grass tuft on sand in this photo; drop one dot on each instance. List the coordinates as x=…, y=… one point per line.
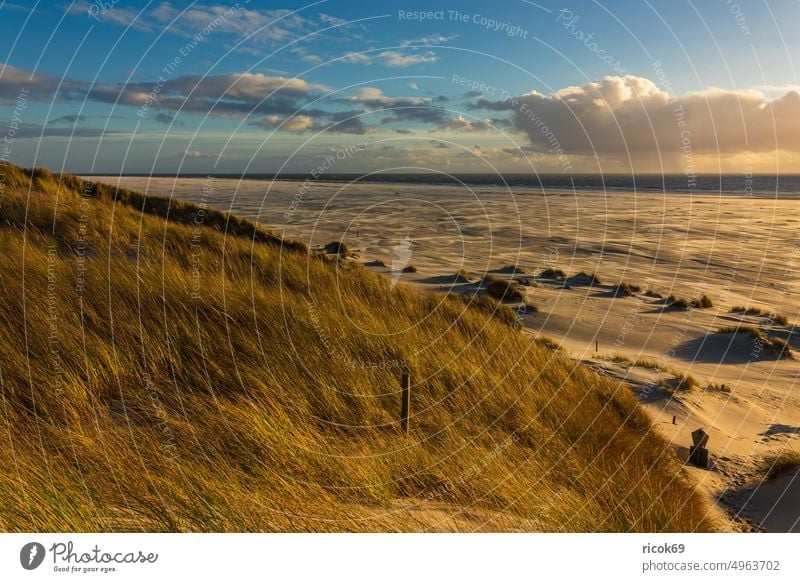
x=773, y=345
x=774, y=465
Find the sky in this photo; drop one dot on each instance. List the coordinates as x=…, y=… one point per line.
x=334, y=86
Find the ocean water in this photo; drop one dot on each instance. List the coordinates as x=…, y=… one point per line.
x=727, y=184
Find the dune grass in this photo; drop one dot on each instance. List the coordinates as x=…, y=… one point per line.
x=337, y=248
x=625, y=290
x=716, y=387
x=552, y=273
x=650, y=364
x=504, y=290
x=163, y=374
x=776, y=318
x=772, y=466
x=591, y=278
x=774, y=345
x=703, y=302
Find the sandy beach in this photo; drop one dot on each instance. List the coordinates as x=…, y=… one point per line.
x=739, y=251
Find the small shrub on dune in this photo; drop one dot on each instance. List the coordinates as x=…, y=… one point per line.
x=654, y=294
x=779, y=319
x=680, y=383
x=591, y=278
x=625, y=290
x=686, y=382
x=551, y=273
x=746, y=310
x=409, y=269
x=337, y=248
x=676, y=303
x=714, y=387
x=463, y=276
x=504, y=290
x=703, y=303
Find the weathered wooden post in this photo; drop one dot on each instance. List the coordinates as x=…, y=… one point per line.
x=405, y=400
x=698, y=453
x=596, y=345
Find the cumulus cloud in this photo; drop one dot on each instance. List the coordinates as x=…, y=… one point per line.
x=632, y=116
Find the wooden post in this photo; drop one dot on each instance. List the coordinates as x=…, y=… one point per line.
x=673, y=419
x=597, y=346
x=405, y=401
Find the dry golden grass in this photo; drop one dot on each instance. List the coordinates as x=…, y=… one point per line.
x=172, y=376
x=776, y=464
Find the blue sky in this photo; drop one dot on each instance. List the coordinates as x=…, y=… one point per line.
x=160, y=86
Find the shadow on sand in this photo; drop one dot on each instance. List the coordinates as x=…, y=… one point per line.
x=724, y=348
x=780, y=429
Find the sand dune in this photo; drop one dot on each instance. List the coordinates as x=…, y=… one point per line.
x=737, y=250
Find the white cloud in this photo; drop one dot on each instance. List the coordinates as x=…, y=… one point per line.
x=429, y=40
x=356, y=58
x=233, y=19
x=374, y=97
x=391, y=58
x=460, y=123
x=198, y=155
x=632, y=116
x=294, y=124
x=398, y=59
x=413, y=86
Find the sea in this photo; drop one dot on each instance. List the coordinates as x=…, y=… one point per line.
x=783, y=185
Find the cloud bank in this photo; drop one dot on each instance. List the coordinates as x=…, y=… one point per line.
x=632, y=116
